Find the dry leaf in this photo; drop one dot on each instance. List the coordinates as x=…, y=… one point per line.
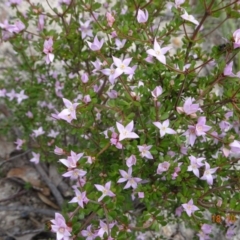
x=47, y=201
x=30, y=175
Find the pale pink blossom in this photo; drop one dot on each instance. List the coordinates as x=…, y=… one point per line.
x=163, y=127
x=60, y=227
x=88, y=233
x=86, y=29
x=38, y=132
x=110, y=19
x=132, y=160
x=126, y=132
x=47, y=49
x=158, y=52
x=144, y=150
x=80, y=198
x=189, y=18
x=195, y=164
x=105, y=190
x=163, y=167
x=19, y=143
x=236, y=37
x=157, y=92
x=207, y=175
x=127, y=176
x=36, y=158
x=69, y=113
x=190, y=208
x=58, y=151
x=142, y=16
x=96, y=45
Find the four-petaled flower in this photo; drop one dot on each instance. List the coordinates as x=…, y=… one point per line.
x=88, y=233
x=68, y=113
x=158, y=52
x=60, y=227
x=195, y=164
x=189, y=18
x=142, y=16
x=96, y=45
x=190, y=208
x=236, y=36
x=144, y=149
x=36, y=157
x=80, y=198
x=127, y=176
x=47, y=49
x=207, y=175
x=105, y=190
x=164, y=128
x=126, y=132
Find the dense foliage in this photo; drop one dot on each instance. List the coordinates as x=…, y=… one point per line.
x=141, y=108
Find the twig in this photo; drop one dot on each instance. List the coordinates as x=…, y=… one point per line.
x=53, y=188
x=47, y=211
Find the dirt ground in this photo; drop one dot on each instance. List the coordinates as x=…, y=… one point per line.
x=27, y=193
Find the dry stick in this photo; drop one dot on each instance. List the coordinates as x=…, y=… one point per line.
x=47, y=212
x=53, y=188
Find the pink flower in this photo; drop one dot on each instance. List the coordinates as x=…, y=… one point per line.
x=60, y=227
x=122, y=66
x=144, y=149
x=19, y=143
x=96, y=45
x=127, y=176
x=71, y=161
x=105, y=190
x=21, y=96
x=179, y=211
x=66, y=2
x=112, y=73
x=158, y=52
x=164, y=128
x=80, y=198
x=88, y=233
x=11, y=94
x=207, y=175
x=35, y=158
x=188, y=107
x=142, y=16
x=58, y=151
x=14, y=2
x=195, y=164
x=229, y=72
x=41, y=22
x=157, y=92
x=163, y=167
x=115, y=141
x=132, y=160
x=126, y=132
x=112, y=94
x=199, y=129
x=120, y=44
x=236, y=36
x=235, y=146
x=110, y=19
x=47, y=49
x=85, y=29
x=38, y=132
x=189, y=18
x=104, y=229
x=190, y=208
x=75, y=174
x=68, y=113
x=178, y=3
